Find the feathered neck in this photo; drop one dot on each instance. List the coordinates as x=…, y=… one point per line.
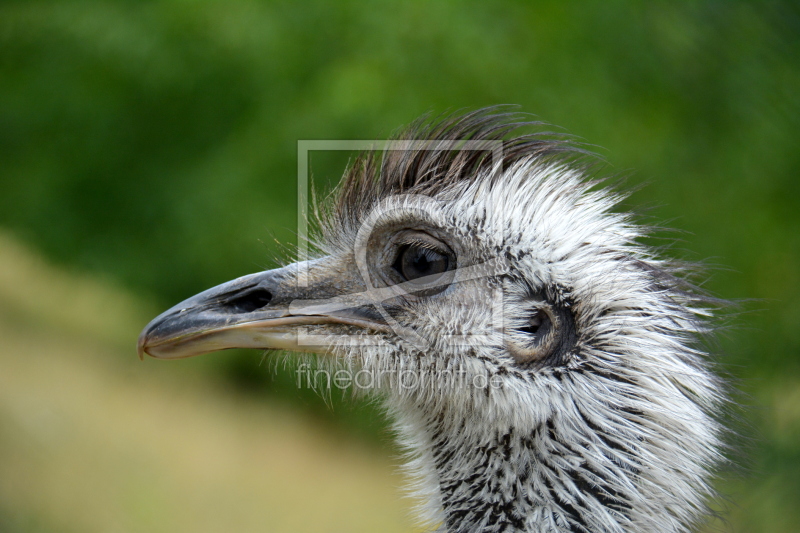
x=616, y=465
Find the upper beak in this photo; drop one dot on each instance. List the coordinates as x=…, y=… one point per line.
x=263, y=310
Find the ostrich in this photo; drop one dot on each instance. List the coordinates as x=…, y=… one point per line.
x=543, y=367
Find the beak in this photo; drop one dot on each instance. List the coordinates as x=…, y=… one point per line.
x=265, y=310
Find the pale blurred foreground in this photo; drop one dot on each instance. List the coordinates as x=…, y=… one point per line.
x=93, y=440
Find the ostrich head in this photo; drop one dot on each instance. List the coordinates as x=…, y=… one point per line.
x=542, y=366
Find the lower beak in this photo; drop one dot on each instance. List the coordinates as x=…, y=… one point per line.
x=276, y=333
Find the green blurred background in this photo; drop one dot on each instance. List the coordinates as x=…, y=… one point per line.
x=148, y=151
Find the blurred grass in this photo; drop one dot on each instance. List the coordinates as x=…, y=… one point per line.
x=153, y=145
x=93, y=440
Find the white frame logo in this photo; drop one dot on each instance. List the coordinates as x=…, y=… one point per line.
x=373, y=295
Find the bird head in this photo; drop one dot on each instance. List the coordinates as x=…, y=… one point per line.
x=457, y=252
x=455, y=249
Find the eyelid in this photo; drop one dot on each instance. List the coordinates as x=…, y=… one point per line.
x=421, y=244
x=422, y=239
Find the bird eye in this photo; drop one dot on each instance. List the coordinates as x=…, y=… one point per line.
x=415, y=262
x=426, y=263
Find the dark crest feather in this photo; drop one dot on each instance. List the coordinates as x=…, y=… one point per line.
x=428, y=156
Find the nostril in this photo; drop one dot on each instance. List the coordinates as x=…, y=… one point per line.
x=249, y=302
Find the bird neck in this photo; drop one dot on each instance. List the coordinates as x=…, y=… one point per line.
x=510, y=480
x=571, y=471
